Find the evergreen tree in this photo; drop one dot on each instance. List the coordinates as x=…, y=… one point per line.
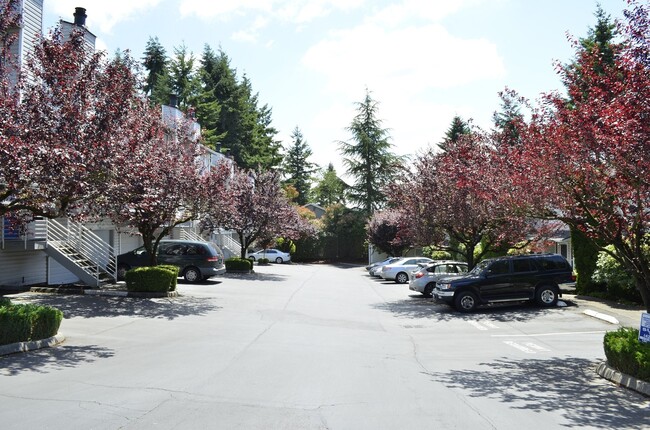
x=155, y=62
x=330, y=189
x=368, y=158
x=297, y=167
x=506, y=120
x=601, y=38
x=457, y=129
x=184, y=82
x=208, y=107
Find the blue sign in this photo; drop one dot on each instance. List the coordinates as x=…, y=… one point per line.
x=644, y=330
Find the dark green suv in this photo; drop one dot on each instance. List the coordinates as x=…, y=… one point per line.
x=535, y=277
x=195, y=260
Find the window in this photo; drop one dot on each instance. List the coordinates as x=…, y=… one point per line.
x=499, y=268
x=521, y=265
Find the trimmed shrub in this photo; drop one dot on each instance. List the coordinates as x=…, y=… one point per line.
x=154, y=279
x=626, y=354
x=4, y=301
x=174, y=271
x=238, y=264
x=46, y=323
x=22, y=323
x=263, y=261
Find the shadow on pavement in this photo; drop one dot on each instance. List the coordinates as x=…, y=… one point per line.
x=254, y=277
x=417, y=306
x=551, y=385
x=50, y=359
x=85, y=306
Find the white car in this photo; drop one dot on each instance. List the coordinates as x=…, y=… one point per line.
x=272, y=254
x=424, y=280
x=375, y=269
x=399, y=270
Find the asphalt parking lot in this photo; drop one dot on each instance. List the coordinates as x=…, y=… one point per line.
x=315, y=347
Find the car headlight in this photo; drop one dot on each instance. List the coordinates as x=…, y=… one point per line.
x=444, y=286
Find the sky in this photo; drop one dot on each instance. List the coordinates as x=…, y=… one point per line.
x=311, y=61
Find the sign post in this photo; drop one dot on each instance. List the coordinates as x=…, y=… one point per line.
x=644, y=330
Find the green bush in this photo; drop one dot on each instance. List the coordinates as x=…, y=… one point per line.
x=154, y=279
x=22, y=323
x=238, y=264
x=46, y=323
x=4, y=301
x=263, y=261
x=612, y=281
x=626, y=354
x=174, y=272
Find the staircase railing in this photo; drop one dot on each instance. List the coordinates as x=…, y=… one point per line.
x=190, y=235
x=225, y=240
x=83, y=247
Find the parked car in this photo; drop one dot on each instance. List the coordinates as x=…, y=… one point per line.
x=424, y=279
x=196, y=260
x=375, y=270
x=377, y=263
x=272, y=254
x=527, y=277
x=399, y=270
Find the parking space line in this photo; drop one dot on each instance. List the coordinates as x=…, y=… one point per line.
x=569, y=333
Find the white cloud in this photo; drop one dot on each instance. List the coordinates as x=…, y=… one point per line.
x=296, y=11
x=102, y=15
x=408, y=60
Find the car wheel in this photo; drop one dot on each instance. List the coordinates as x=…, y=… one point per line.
x=546, y=296
x=279, y=260
x=401, y=278
x=429, y=288
x=192, y=274
x=465, y=301
x=121, y=271
x=251, y=258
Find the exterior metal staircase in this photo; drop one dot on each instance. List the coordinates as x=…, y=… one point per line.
x=230, y=246
x=223, y=240
x=81, y=252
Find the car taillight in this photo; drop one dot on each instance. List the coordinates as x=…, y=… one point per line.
x=419, y=275
x=573, y=277
x=213, y=259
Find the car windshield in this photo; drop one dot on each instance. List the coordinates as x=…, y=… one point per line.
x=480, y=267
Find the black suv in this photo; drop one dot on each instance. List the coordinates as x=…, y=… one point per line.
x=195, y=260
x=535, y=277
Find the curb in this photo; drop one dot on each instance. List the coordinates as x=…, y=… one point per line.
x=622, y=379
x=14, y=348
x=610, y=319
x=121, y=293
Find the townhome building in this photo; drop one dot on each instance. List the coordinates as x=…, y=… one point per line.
x=60, y=251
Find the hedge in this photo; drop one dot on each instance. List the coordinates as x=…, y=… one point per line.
x=238, y=264
x=23, y=323
x=159, y=279
x=626, y=354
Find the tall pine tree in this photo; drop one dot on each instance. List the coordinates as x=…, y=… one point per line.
x=368, y=157
x=298, y=170
x=155, y=63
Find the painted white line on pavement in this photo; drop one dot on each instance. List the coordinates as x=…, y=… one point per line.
x=570, y=333
x=519, y=347
x=477, y=325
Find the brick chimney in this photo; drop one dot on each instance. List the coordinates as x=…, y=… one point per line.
x=80, y=16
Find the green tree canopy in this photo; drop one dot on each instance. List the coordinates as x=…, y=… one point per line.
x=330, y=189
x=368, y=157
x=298, y=170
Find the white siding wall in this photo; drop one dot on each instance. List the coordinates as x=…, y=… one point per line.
x=59, y=274
x=22, y=268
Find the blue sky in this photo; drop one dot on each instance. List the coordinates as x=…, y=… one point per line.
x=310, y=60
